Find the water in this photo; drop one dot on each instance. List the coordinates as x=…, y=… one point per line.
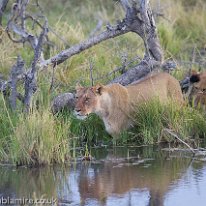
x=118, y=177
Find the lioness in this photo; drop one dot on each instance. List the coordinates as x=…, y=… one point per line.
x=197, y=90
x=115, y=103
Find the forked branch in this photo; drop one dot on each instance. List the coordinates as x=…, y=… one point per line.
x=138, y=19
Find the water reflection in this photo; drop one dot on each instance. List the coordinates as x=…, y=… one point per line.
x=154, y=178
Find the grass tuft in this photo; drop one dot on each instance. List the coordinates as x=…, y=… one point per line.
x=39, y=139
x=185, y=121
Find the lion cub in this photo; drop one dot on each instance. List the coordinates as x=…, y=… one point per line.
x=197, y=91
x=115, y=103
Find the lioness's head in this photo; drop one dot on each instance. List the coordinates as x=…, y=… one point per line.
x=87, y=100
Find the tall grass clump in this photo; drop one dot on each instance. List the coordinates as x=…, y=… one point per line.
x=38, y=139
x=8, y=121
x=152, y=118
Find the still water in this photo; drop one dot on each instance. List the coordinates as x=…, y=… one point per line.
x=144, y=176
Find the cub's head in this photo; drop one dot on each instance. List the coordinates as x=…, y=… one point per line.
x=87, y=100
x=198, y=89
x=198, y=80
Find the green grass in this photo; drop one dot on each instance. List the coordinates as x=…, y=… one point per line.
x=8, y=121
x=40, y=137
x=182, y=29
x=37, y=139
x=90, y=130
x=153, y=118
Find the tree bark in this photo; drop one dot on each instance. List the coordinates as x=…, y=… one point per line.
x=78, y=48
x=16, y=70
x=31, y=76
x=63, y=102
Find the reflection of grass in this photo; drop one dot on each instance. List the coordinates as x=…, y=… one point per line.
x=24, y=182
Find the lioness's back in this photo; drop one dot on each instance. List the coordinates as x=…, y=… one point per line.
x=161, y=85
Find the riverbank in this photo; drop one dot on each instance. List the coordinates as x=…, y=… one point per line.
x=40, y=138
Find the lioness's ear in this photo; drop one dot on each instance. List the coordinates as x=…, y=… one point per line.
x=78, y=87
x=195, y=77
x=98, y=89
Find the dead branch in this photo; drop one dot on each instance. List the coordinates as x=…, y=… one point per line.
x=16, y=25
x=76, y=49
x=179, y=139
x=134, y=74
x=118, y=69
x=138, y=19
x=16, y=70
x=30, y=77
x=18, y=32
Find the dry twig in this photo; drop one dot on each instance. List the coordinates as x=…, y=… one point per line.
x=170, y=132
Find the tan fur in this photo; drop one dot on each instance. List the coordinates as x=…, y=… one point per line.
x=197, y=90
x=115, y=103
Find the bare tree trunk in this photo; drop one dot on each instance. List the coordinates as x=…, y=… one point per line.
x=31, y=76
x=16, y=70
